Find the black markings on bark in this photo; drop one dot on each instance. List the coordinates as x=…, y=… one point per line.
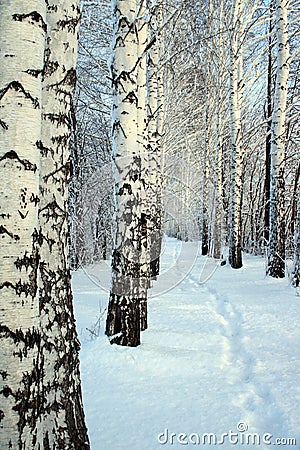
x=44, y=150
x=6, y=284
x=6, y=391
x=3, y=125
x=117, y=126
x=62, y=140
x=121, y=311
x=50, y=66
x=64, y=169
x=51, y=7
x=59, y=119
x=19, y=288
x=27, y=288
x=26, y=261
x=3, y=374
x=23, y=216
x=131, y=98
x=14, y=156
x=123, y=76
x=46, y=443
x=33, y=18
x=34, y=199
x=29, y=339
x=68, y=80
x=71, y=24
x=3, y=230
x=17, y=86
x=39, y=238
x=56, y=296
x=126, y=188
x=33, y=72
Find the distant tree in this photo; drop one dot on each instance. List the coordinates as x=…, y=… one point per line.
x=296, y=267
x=276, y=250
x=91, y=190
x=155, y=106
x=236, y=89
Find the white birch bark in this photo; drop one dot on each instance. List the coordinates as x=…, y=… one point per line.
x=276, y=250
x=205, y=195
x=142, y=34
x=217, y=225
x=154, y=128
x=123, y=319
x=296, y=268
x=62, y=420
x=236, y=68
x=216, y=247
x=22, y=36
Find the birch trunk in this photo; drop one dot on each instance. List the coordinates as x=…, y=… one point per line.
x=235, y=220
x=205, y=215
x=269, y=126
x=216, y=248
x=154, y=114
x=22, y=36
x=62, y=422
x=217, y=228
x=142, y=34
x=123, y=318
x=276, y=251
x=296, y=268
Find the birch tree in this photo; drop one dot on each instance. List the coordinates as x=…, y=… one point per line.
x=276, y=250
x=154, y=130
x=123, y=319
x=62, y=416
x=40, y=387
x=220, y=64
x=91, y=190
x=20, y=95
x=296, y=267
x=236, y=79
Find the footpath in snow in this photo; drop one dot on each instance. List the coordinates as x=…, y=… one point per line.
x=219, y=366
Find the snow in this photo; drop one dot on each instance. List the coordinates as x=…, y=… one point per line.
x=221, y=356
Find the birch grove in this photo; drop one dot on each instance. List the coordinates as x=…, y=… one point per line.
x=211, y=122
x=184, y=123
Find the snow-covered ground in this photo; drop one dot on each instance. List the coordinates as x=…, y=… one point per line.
x=219, y=366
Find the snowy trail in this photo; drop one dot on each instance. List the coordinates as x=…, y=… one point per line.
x=255, y=399
x=217, y=357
